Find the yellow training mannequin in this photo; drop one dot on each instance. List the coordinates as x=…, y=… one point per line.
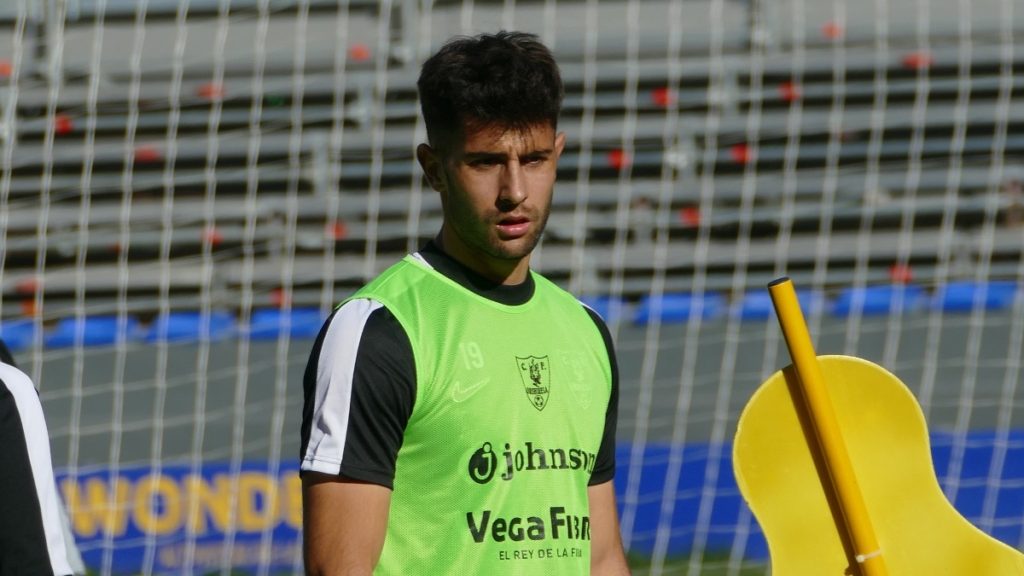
x=887, y=508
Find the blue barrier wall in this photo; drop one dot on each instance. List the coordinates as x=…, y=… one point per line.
x=974, y=485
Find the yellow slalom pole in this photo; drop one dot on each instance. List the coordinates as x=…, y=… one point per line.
x=855, y=520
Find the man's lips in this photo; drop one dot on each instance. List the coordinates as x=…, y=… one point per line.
x=513, y=227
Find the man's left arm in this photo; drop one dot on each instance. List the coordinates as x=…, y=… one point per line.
x=606, y=555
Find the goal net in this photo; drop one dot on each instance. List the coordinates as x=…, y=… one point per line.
x=187, y=187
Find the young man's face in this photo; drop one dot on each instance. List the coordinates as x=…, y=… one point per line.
x=495, y=187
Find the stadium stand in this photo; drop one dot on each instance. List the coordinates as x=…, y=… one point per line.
x=192, y=226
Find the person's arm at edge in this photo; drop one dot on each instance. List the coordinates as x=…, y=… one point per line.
x=346, y=505
x=607, y=557
x=344, y=523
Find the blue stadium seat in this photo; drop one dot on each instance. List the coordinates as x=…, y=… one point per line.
x=757, y=304
x=963, y=296
x=679, y=307
x=611, y=309
x=879, y=300
x=18, y=334
x=102, y=330
x=273, y=323
x=191, y=326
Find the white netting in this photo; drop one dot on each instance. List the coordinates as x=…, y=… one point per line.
x=179, y=178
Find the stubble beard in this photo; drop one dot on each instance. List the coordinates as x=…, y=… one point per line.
x=484, y=238
x=520, y=247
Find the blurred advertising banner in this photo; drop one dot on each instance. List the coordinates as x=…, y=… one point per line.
x=180, y=519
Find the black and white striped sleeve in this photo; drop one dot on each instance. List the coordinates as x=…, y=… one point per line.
x=31, y=529
x=359, y=390
x=604, y=468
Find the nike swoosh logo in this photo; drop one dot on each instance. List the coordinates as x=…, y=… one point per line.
x=462, y=393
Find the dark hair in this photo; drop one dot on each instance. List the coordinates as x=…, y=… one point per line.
x=509, y=79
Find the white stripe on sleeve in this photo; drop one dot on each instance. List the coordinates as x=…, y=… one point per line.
x=37, y=441
x=333, y=396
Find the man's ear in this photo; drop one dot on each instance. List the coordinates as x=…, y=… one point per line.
x=559, y=144
x=431, y=165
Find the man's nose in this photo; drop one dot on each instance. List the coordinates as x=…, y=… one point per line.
x=512, y=190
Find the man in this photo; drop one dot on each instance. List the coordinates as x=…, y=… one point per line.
x=34, y=539
x=459, y=411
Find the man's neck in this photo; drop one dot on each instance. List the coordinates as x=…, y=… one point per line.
x=514, y=273
x=508, y=294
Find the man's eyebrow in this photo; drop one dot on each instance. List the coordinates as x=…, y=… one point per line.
x=482, y=154
x=540, y=152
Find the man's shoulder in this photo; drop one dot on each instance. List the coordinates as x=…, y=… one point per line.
x=552, y=290
x=400, y=275
x=365, y=316
x=549, y=288
x=15, y=380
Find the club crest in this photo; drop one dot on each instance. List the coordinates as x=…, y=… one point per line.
x=536, y=379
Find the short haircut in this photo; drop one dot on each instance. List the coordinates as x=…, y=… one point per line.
x=508, y=79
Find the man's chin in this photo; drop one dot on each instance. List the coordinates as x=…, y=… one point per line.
x=516, y=249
